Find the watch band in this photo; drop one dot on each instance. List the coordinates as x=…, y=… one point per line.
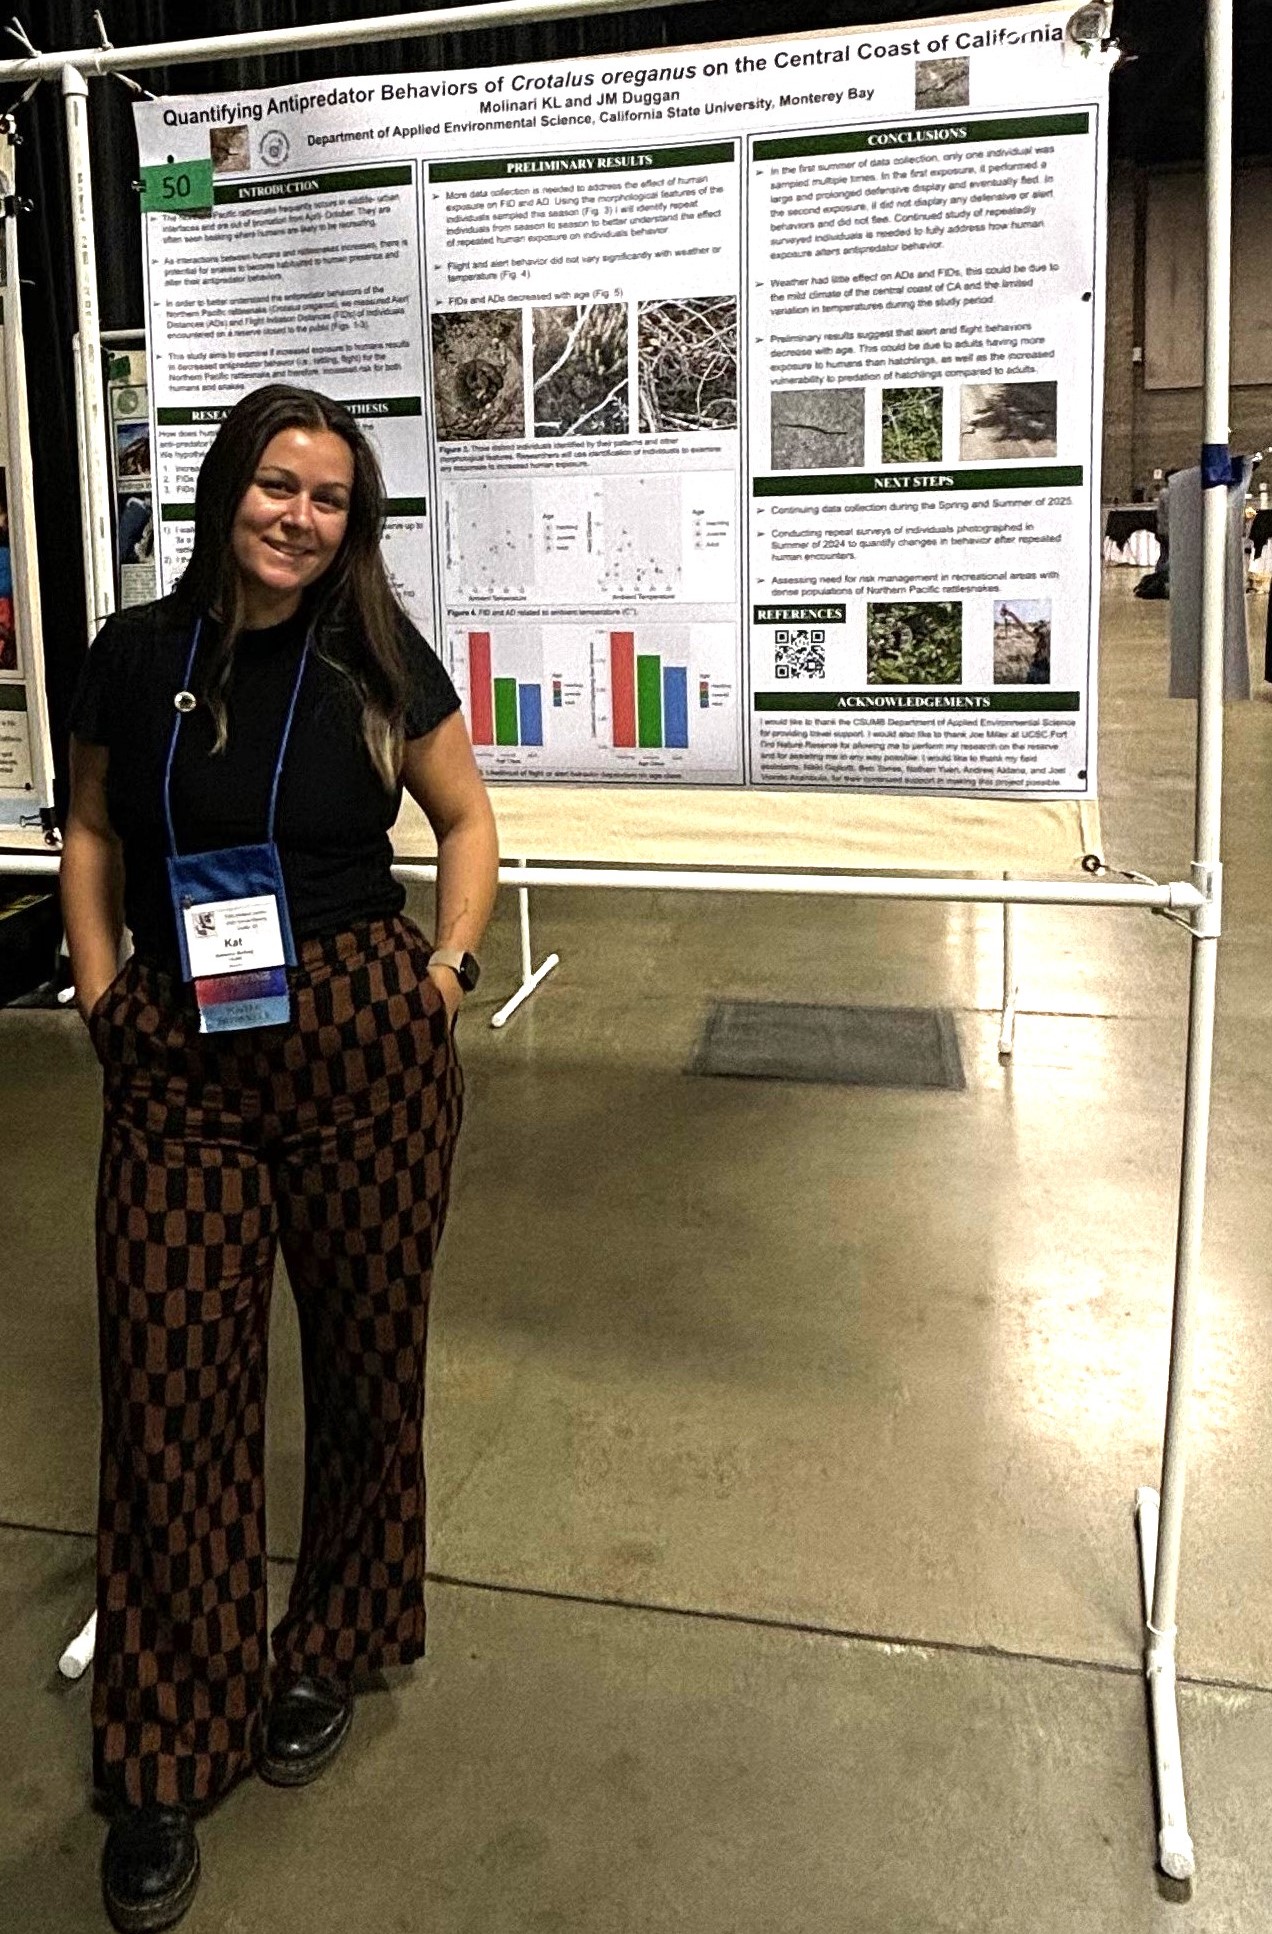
x=465, y=966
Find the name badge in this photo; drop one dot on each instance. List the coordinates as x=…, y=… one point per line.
x=233, y=927
x=233, y=936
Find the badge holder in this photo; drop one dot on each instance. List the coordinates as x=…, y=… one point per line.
x=233, y=928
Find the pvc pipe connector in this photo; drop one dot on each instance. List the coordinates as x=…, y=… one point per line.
x=1207, y=920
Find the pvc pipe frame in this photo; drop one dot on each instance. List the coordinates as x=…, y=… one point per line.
x=1007, y=1032
x=1200, y=898
x=531, y=976
x=90, y=395
x=1173, y=896
x=1161, y=1579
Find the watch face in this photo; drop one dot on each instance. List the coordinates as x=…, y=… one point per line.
x=469, y=972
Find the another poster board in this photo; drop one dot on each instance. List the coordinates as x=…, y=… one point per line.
x=128, y=414
x=26, y=755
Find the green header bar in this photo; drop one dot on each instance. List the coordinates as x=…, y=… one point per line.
x=367, y=406
x=923, y=134
x=215, y=413
x=883, y=483
x=619, y=161
x=1031, y=698
x=13, y=698
x=393, y=507
x=800, y=614
x=342, y=181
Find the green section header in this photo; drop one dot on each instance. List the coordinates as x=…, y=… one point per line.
x=924, y=134
x=13, y=698
x=800, y=614
x=393, y=507
x=882, y=483
x=620, y=161
x=343, y=181
x=371, y=406
x=1028, y=699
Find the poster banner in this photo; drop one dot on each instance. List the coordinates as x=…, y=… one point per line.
x=738, y=405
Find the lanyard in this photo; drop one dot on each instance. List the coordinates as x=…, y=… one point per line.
x=282, y=750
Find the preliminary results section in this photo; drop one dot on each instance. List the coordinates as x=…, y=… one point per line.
x=584, y=345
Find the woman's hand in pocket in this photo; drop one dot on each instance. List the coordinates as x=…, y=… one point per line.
x=446, y=981
x=89, y=999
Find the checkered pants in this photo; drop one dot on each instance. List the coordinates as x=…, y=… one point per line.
x=332, y=1136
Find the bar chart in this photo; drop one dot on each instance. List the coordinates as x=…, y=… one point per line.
x=649, y=700
x=566, y=700
x=501, y=711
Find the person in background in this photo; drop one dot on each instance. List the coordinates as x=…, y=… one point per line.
x=279, y=1068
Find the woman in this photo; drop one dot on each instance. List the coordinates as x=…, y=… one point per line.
x=238, y=754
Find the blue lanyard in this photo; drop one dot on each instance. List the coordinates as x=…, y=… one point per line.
x=282, y=750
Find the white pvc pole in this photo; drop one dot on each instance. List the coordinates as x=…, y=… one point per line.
x=1178, y=895
x=100, y=590
x=531, y=976
x=1175, y=1848
x=1172, y=895
x=291, y=40
x=85, y=500
x=78, y=1656
x=1007, y=1028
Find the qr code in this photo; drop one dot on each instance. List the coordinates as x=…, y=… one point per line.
x=799, y=653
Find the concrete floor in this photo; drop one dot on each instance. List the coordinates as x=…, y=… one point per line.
x=783, y=1440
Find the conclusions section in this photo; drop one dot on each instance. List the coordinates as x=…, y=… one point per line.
x=922, y=358
x=583, y=336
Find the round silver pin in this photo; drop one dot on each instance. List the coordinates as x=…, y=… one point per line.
x=185, y=701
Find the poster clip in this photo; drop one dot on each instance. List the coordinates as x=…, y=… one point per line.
x=1217, y=466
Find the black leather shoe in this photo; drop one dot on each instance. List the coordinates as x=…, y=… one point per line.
x=150, y=1868
x=307, y=1725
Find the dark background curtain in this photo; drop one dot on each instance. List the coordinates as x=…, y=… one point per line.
x=1157, y=116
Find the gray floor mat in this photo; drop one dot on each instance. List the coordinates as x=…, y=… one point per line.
x=872, y=1047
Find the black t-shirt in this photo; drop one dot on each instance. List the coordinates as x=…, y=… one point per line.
x=334, y=812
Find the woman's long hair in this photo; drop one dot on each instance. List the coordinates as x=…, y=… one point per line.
x=356, y=618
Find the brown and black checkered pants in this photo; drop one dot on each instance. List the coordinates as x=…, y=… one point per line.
x=332, y=1136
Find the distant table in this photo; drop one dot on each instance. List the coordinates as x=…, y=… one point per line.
x=1130, y=536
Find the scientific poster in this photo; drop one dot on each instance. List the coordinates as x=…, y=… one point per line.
x=130, y=469
x=737, y=404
